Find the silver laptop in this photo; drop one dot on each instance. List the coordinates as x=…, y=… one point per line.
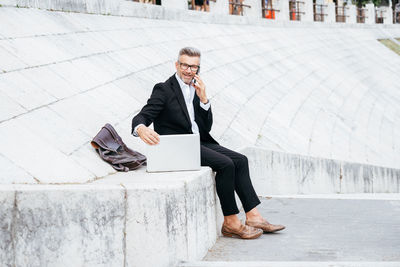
x=179, y=152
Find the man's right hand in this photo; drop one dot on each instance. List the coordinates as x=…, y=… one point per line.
x=148, y=135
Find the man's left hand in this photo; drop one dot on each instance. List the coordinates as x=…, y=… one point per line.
x=200, y=89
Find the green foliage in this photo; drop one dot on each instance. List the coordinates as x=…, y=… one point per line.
x=361, y=3
x=392, y=45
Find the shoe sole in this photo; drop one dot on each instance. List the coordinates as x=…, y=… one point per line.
x=227, y=234
x=269, y=232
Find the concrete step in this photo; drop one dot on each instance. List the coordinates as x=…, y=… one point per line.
x=120, y=220
x=288, y=264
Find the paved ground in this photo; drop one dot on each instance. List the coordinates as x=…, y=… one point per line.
x=365, y=230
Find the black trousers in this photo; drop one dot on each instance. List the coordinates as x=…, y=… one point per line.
x=232, y=174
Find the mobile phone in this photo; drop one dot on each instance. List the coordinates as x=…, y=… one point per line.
x=197, y=72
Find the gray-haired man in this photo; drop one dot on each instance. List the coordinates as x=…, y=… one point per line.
x=180, y=106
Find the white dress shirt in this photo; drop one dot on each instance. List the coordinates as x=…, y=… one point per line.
x=188, y=92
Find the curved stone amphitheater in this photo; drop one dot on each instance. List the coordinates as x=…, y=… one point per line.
x=306, y=99
x=328, y=91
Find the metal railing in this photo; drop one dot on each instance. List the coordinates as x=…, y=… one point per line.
x=379, y=15
x=341, y=13
x=361, y=15
x=319, y=12
x=236, y=7
x=295, y=10
x=268, y=12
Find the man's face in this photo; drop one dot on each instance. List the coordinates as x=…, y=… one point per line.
x=186, y=75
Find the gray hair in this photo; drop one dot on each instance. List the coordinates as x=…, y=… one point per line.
x=189, y=51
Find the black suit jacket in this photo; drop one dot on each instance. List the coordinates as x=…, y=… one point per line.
x=166, y=108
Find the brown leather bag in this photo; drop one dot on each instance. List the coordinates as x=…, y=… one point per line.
x=113, y=150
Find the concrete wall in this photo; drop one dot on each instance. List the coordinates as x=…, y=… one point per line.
x=219, y=7
x=351, y=11
x=275, y=173
x=47, y=226
x=331, y=13
x=254, y=11
x=388, y=19
x=370, y=14
x=127, y=219
x=308, y=9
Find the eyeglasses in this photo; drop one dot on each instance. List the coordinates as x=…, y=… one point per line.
x=185, y=66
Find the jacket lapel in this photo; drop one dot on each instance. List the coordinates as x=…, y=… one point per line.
x=196, y=102
x=179, y=95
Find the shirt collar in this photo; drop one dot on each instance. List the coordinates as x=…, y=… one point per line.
x=182, y=84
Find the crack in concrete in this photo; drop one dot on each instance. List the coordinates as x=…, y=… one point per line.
x=186, y=219
x=303, y=179
x=13, y=228
x=20, y=167
x=125, y=219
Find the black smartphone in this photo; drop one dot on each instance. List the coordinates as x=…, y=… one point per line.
x=197, y=72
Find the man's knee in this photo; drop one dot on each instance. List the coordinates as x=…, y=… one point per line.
x=242, y=161
x=227, y=165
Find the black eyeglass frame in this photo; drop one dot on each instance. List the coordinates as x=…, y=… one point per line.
x=189, y=66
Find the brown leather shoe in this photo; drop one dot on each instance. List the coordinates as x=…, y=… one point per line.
x=266, y=226
x=245, y=232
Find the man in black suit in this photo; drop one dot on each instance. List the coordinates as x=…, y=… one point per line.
x=180, y=106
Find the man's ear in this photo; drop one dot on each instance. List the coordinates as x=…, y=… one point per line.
x=176, y=65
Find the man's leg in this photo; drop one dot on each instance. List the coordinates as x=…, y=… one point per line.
x=224, y=179
x=245, y=191
x=242, y=182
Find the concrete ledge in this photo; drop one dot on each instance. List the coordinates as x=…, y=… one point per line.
x=283, y=173
x=123, y=220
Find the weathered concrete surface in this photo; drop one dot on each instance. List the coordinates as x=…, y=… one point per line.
x=319, y=90
x=7, y=228
x=122, y=220
x=66, y=225
x=281, y=173
x=321, y=230
x=173, y=215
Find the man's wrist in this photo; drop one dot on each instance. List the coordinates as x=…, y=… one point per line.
x=136, y=130
x=205, y=102
x=140, y=126
x=205, y=106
